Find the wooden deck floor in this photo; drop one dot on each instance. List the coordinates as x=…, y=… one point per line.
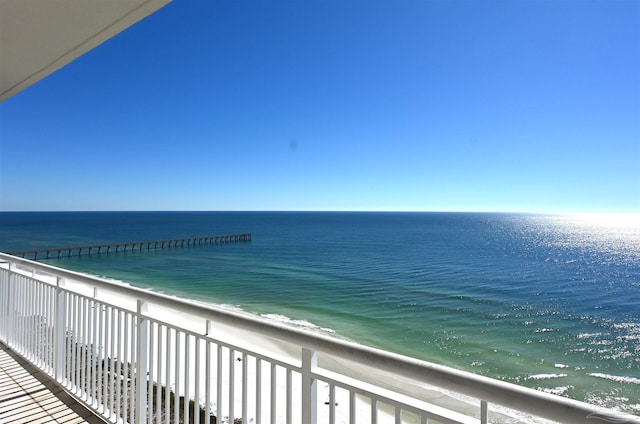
x=28, y=395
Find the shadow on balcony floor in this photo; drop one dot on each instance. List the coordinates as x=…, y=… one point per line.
x=29, y=395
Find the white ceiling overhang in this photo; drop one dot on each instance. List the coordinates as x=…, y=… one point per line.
x=38, y=37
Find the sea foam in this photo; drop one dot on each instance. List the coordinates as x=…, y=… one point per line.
x=545, y=376
x=296, y=322
x=618, y=378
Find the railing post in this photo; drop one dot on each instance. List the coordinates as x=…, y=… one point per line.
x=309, y=387
x=59, y=330
x=142, y=341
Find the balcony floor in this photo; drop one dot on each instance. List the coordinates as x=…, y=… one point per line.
x=29, y=395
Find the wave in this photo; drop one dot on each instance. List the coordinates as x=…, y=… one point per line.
x=617, y=378
x=296, y=322
x=545, y=376
x=588, y=335
x=558, y=391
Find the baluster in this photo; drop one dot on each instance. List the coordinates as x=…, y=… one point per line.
x=484, y=412
x=142, y=340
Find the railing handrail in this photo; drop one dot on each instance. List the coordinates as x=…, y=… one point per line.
x=491, y=390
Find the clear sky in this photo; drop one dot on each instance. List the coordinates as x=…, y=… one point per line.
x=529, y=106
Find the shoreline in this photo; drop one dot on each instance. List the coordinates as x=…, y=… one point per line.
x=252, y=342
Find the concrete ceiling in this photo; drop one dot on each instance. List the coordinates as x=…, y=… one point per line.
x=38, y=37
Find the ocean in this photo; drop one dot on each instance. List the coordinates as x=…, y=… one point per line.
x=550, y=302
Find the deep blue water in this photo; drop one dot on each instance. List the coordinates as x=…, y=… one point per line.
x=550, y=302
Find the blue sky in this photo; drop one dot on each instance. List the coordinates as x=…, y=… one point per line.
x=529, y=106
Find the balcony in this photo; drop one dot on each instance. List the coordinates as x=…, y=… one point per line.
x=135, y=356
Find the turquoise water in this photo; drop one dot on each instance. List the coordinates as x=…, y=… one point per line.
x=549, y=302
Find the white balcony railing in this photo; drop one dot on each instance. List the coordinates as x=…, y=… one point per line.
x=136, y=356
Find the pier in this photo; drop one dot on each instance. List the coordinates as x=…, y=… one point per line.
x=136, y=246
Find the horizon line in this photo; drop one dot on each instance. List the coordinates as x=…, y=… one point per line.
x=542, y=212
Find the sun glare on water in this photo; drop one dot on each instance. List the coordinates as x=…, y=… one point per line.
x=607, y=220
x=617, y=233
